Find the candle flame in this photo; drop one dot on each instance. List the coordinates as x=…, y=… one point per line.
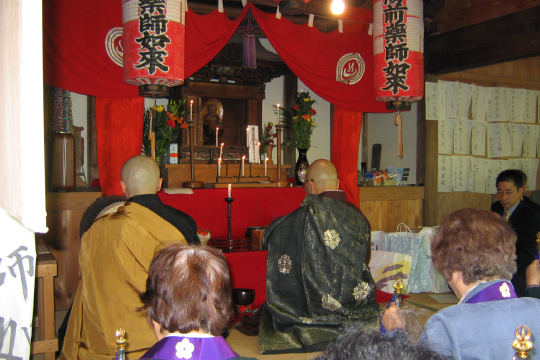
x=247, y=129
x=219, y=160
x=265, y=160
x=191, y=102
x=217, y=128
x=259, y=143
x=244, y=157
x=222, y=144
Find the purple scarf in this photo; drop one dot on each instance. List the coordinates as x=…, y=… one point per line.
x=179, y=347
x=501, y=290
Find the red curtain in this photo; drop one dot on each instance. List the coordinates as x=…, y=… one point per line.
x=313, y=56
x=119, y=127
x=345, y=142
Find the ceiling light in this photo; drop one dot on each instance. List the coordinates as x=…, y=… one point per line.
x=337, y=7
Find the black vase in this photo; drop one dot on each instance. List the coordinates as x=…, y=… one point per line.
x=301, y=167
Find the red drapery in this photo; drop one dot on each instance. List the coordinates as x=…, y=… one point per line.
x=345, y=143
x=119, y=137
x=76, y=59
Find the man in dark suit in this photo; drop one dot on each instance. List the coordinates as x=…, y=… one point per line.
x=524, y=216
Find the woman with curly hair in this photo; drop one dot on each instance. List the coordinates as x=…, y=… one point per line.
x=475, y=251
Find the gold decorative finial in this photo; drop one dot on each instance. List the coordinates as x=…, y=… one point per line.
x=120, y=344
x=538, y=240
x=398, y=284
x=522, y=344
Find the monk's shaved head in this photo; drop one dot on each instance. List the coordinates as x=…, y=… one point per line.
x=321, y=176
x=140, y=175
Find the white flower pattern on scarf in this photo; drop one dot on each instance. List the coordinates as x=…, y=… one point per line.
x=505, y=290
x=184, y=349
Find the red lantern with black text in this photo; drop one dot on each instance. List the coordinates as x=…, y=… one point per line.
x=398, y=45
x=153, y=42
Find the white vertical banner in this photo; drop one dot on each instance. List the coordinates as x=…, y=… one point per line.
x=17, y=279
x=253, y=144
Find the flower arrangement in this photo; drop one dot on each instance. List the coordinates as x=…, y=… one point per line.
x=167, y=126
x=300, y=120
x=268, y=136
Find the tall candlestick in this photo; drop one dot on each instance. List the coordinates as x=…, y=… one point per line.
x=219, y=167
x=247, y=136
x=191, y=110
x=221, y=150
x=243, y=159
x=266, y=167
x=229, y=190
x=217, y=136
x=278, y=117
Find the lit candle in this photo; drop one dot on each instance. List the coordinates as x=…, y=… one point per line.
x=247, y=136
x=266, y=167
x=219, y=167
x=191, y=110
x=278, y=116
x=217, y=136
x=230, y=190
x=243, y=159
x=221, y=150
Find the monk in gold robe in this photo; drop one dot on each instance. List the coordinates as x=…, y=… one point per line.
x=114, y=258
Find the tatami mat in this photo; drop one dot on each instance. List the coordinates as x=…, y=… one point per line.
x=248, y=346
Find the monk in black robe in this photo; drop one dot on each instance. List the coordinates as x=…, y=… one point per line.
x=317, y=282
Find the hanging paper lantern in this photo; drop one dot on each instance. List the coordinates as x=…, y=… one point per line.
x=398, y=45
x=153, y=41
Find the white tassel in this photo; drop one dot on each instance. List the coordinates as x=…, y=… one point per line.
x=244, y=3
x=220, y=6
x=278, y=14
x=340, y=25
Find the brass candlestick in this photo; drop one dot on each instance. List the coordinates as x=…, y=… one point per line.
x=522, y=344
x=279, y=182
x=193, y=184
x=398, y=287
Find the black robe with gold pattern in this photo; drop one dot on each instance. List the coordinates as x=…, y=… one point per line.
x=316, y=281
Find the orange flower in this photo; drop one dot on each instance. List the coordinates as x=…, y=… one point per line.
x=184, y=126
x=306, y=116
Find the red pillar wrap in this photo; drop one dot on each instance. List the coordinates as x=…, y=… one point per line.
x=345, y=142
x=119, y=127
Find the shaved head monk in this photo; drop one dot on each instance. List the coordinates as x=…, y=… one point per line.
x=317, y=284
x=114, y=258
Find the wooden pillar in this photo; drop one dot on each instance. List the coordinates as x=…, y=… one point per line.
x=290, y=88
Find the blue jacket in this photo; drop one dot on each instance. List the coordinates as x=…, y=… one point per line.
x=483, y=330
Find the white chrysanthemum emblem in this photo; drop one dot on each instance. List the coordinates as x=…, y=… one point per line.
x=184, y=349
x=361, y=291
x=331, y=239
x=505, y=290
x=306, y=320
x=284, y=264
x=328, y=302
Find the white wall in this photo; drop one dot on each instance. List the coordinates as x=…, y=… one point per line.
x=320, y=141
x=79, y=109
x=381, y=130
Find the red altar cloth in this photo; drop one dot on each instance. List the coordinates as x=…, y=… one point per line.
x=251, y=207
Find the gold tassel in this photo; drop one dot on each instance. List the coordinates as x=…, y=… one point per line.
x=397, y=122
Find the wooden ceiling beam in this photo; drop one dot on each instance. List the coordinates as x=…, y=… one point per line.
x=506, y=38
